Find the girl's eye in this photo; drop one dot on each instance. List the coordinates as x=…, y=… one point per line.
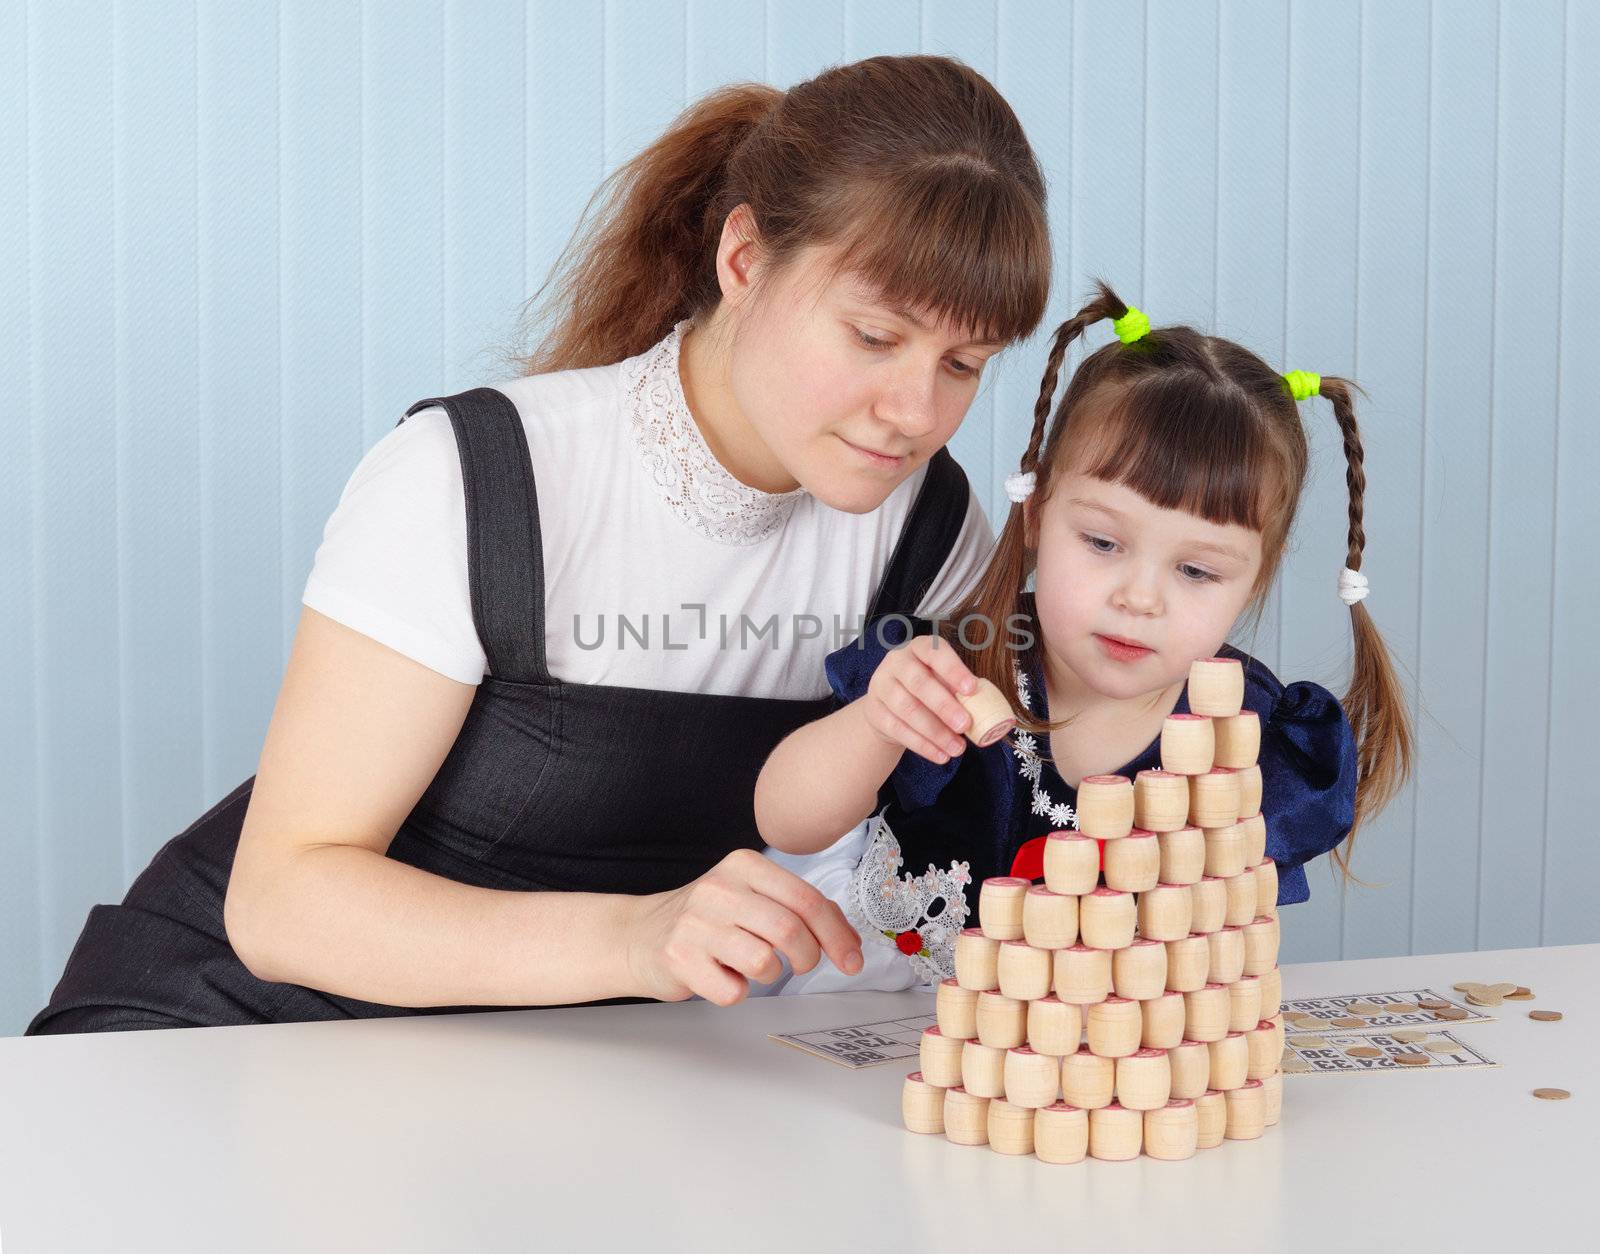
x=1198, y=575
x=959, y=368
x=1094, y=542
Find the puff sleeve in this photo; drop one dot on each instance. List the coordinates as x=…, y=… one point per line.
x=1308, y=780
x=916, y=782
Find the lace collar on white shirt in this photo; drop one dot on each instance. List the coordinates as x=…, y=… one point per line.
x=691, y=480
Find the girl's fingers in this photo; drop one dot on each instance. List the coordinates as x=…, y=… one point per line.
x=903, y=733
x=929, y=688
x=910, y=708
x=946, y=663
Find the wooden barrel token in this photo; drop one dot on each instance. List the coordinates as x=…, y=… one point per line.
x=991, y=712
x=1409, y=1059
x=1450, y=1012
x=1552, y=1095
x=1364, y=1051
x=1545, y=1016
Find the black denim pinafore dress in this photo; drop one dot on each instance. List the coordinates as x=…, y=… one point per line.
x=549, y=785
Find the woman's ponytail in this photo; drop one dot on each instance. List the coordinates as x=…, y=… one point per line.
x=643, y=255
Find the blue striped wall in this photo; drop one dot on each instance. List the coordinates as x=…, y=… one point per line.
x=237, y=239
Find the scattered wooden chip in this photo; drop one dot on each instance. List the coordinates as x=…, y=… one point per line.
x=1296, y=1066
x=1522, y=994
x=1411, y=1060
x=1363, y=1051
x=1307, y=1042
x=1364, y=1008
x=1440, y=1047
x=1450, y=1012
x=1348, y=1023
x=1432, y=1003
x=1409, y=1036
x=1545, y=1016
x=1552, y=1095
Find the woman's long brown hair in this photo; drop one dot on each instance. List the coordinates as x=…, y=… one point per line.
x=1193, y=422
x=913, y=170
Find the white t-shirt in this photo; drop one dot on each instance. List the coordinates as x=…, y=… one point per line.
x=652, y=550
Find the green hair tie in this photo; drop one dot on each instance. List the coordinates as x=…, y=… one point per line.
x=1132, y=326
x=1302, y=383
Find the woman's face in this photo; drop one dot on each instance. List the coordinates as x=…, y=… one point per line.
x=1114, y=567
x=849, y=396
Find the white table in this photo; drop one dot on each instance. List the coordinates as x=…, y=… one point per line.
x=683, y=1127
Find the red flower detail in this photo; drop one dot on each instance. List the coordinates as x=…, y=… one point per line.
x=909, y=942
x=1029, y=862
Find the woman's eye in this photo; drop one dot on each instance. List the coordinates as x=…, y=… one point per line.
x=870, y=341
x=963, y=370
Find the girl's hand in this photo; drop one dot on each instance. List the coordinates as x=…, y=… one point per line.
x=912, y=699
x=716, y=934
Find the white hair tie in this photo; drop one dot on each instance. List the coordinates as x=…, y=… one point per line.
x=1019, y=485
x=1352, y=586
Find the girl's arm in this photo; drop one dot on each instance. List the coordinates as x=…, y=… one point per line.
x=824, y=778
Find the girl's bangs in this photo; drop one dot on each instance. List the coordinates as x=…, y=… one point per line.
x=1196, y=453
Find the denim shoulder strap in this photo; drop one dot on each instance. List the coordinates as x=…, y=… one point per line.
x=505, y=557
x=930, y=533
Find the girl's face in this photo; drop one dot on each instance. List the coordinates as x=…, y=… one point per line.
x=1129, y=594
x=849, y=396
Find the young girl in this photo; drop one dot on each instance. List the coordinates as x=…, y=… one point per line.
x=1153, y=517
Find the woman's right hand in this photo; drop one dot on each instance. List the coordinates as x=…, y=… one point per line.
x=719, y=932
x=913, y=701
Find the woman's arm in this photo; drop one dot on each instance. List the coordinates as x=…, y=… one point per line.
x=824, y=778
x=357, y=734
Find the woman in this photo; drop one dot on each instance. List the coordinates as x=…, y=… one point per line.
x=480, y=787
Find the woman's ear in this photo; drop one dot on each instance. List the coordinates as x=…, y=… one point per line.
x=738, y=255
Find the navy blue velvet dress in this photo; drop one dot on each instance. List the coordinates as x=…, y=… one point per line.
x=986, y=806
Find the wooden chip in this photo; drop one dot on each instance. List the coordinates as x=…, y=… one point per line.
x=1307, y=1042
x=1440, y=1047
x=1485, y=997
x=1302, y=1019
x=1432, y=1003
x=1552, y=1095
x=1450, y=1012
x=1465, y=986
x=1364, y=1051
x=1545, y=1016
x=1364, y=1008
x=1522, y=994
x=1409, y=1036
x=1411, y=1060
x=1348, y=1023
x=1296, y=1066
